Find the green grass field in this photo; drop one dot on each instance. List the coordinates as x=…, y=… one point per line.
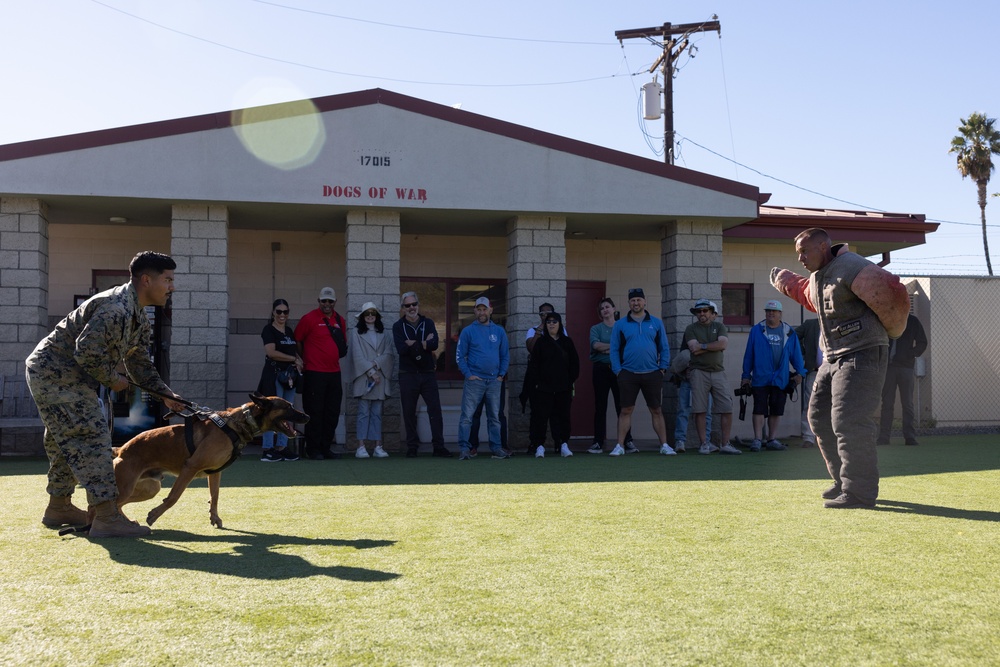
x=688, y=560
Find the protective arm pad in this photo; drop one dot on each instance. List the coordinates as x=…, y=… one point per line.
x=885, y=295
x=793, y=286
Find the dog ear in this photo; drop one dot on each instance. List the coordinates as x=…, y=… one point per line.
x=259, y=399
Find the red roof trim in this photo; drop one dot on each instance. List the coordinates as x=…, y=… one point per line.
x=219, y=120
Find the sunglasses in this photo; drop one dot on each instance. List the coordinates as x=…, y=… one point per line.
x=328, y=301
x=281, y=312
x=703, y=310
x=371, y=313
x=411, y=305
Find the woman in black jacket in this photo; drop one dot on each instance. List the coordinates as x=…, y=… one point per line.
x=552, y=370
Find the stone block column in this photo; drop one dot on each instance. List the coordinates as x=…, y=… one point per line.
x=199, y=335
x=24, y=280
x=690, y=269
x=372, y=271
x=536, y=273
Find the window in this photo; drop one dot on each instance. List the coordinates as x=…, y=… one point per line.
x=451, y=304
x=737, y=303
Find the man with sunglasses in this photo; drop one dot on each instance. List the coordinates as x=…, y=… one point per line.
x=707, y=340
x=322, y=344
x=416, y=340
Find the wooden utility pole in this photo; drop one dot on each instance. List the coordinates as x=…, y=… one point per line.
x=675, y=40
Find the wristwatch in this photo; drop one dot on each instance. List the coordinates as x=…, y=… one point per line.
x=704, y=346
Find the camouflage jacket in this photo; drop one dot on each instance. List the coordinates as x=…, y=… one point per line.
x=84, y=349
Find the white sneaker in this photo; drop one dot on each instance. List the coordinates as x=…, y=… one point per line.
x=707, y=448
x=617, y=451
x=361, y=453
x=667, y=450
x=681, y=447
x=540, y=452
x=380, y=453
x=595, y=449
x=564, y=450
x=729, y=449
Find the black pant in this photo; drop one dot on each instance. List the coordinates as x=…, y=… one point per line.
x=604, y=381
x=478, y=414
x=322, y=394
x=550, y=409
x=413, y=386
x=903, y=378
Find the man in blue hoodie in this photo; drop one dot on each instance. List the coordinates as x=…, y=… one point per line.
x=483, y=356
x=640, y=357
x=771, y=346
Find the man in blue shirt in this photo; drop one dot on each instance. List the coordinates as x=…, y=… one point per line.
x=771, y=346
x=640, y=357
x=483, y=356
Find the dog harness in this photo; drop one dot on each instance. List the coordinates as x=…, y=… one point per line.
x=239, y=441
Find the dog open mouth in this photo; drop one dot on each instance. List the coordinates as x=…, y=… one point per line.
x=286, y=427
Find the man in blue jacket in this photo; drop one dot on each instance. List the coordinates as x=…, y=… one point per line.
x=771, y=346
x=483, y=356
x=640, y=357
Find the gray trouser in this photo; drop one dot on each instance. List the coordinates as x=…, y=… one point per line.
x=841, y=414
x=896, y=376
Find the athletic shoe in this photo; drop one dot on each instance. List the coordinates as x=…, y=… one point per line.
x=729, y=449
x=848, y=501
x=774, y=446
x=361, y=453
x=443, y=453
x=679, y=447
x=500, y=454
x=707, y=448
x=270, y=456
x=832, y=492
x=474, y=452
x=540, y=452
x=564, y=450
x=595, y=449
x=808, y=443
x=755, y=445
x=380, y=453
x=630, y=448
x=617, y=451
x=412, y=453
x=667, y=450
x=465, y=455
x=288, y=455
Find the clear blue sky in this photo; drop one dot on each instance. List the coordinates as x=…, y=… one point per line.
x=856, y=101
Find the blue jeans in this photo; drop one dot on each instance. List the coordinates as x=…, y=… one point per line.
x=369, y=419
x=684, y=412
x=267, y=440
x=473, y=393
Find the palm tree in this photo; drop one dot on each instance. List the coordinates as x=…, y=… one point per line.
x=974, y=147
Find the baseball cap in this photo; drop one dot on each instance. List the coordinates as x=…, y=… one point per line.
x=636, y=292
x=483, y=301
x=703, y=303
x=773, y=304
x=327, y=293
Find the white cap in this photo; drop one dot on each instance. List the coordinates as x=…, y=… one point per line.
x=483, y=301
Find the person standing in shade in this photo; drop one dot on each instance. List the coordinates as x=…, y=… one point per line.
x=771, y=346
x=707, y=340
x=372, y=360
x=899, y=374
x=680, y=369
x=322, y=343
x=860, y=307
x=812, y=357
x=280, y=353
x=553, y=368
x=416, y=339
x=482, y=354
x=639, y=359
x=603, y=378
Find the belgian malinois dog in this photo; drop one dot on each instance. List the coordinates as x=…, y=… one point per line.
x=209, y=446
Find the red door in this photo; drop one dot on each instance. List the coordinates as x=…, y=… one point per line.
x=582, y=297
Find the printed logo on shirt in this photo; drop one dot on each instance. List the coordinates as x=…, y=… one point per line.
x=493, y=338
x=848, y=328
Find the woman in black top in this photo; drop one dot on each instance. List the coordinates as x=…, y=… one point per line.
x=280, y=353
x=552, y=369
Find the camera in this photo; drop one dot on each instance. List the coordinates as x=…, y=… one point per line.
x=791, y=386
x=743, y=390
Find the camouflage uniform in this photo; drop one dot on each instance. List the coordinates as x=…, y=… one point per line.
x=64, y=374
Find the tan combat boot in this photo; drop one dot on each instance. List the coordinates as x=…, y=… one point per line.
x=62, y=512
x=110, y=522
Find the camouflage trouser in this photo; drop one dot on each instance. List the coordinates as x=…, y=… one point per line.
x=77, y=440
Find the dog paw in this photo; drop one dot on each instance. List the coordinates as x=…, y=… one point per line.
x=216, y=521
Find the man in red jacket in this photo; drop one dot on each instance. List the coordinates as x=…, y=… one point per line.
x=322, y=342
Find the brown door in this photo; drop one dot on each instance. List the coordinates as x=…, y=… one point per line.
x=582, y=297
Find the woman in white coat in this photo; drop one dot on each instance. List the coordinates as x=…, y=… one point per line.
x=372, y=357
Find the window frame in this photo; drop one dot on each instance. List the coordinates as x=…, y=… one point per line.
x=736, y=318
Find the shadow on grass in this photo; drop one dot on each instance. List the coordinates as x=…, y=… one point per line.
x=254, y=555
x=934, y=510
